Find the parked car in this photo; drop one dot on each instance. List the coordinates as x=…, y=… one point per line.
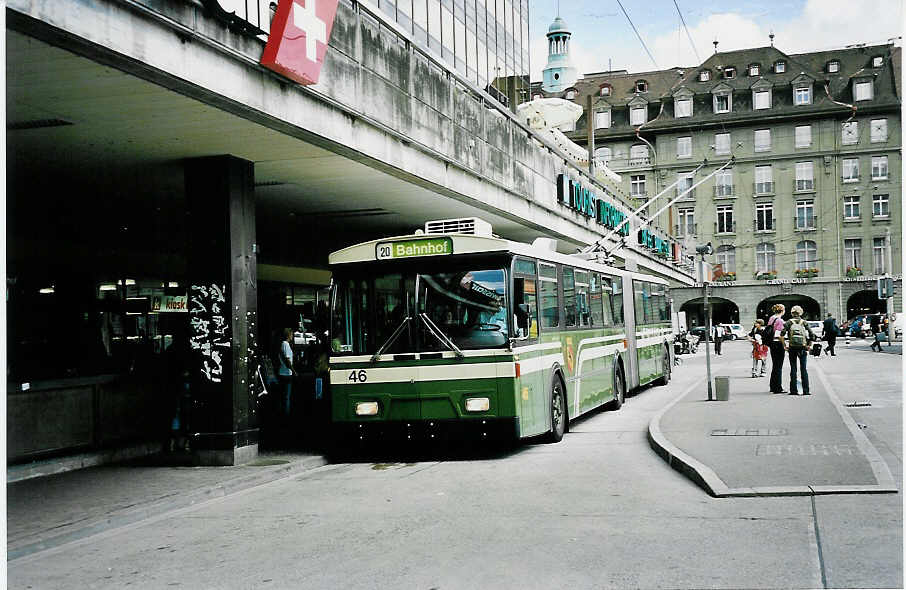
x=698, y=332
x=734, y=332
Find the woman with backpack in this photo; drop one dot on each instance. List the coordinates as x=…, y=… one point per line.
x=795, y=338
x=772, y=331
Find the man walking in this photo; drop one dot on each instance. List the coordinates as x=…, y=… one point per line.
x=718, y=332
x=876, y=332
x=830, y=334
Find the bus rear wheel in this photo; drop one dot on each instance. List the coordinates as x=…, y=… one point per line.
x=558, y=411
x=619, y=390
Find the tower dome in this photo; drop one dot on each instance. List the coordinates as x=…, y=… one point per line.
x=559, y=73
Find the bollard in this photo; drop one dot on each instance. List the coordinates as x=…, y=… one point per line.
x=722, y=387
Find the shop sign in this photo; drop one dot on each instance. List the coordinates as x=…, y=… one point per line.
x=582, y=200
x=716, y=284
x=297, y=42
x=170, y=304
x=870, y=278
x=787, y=281
x=414, y=248
x=652, y=242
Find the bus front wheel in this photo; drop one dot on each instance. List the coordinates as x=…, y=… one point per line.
x=558, y=411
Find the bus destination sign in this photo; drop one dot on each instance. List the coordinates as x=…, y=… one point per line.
x=414, y=248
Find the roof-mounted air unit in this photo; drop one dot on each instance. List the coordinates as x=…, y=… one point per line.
x=466, y=225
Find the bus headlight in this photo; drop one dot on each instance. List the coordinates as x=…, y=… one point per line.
x=366, y=409
x=477, y=404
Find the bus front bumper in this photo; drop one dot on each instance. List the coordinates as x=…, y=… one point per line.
x=430, y=431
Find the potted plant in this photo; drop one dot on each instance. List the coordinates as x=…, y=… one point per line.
x=853, y=271
x=765, y=275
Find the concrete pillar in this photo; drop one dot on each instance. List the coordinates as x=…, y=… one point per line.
x=223, y=308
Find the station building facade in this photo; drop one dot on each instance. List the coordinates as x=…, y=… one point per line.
x=809, y=212
x=165, y=187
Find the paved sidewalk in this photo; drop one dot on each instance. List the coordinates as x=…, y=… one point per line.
x=763, y=444
x=46, y=512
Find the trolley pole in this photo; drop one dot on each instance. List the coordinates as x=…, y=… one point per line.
x=702, y=251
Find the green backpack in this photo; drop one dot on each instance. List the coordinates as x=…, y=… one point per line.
x=799, y=333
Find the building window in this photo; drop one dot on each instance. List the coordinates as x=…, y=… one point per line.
x=704, y=76
x=852, y=253
x=722, y=144
x=605, y=90
x=764, y=257
x=833, y=67
x=877, y=61
x=723, y=183
x=761, y=99
x=863, y=91
x=850, y=169
x=878, y=130
x=725, y=223
x=849, y=133
x=879, y=167
x=603, y=154
x=851, y=207
x=684, y=147
x=764, y=217
x=805, y=176
x=638, y=154
x=726, y=258
x=879, y=255
x=806, y=255
x=602, y=120
x=805, y=214
x=802, y=95
x=779, y=67
x=764, y=180
x=638, y=115
x=684, y=182
x=723, y=102
x=754, y=69
x=803, y=136
x=641, y=86
x=570, y=94
x=762, y=140
x=880, y=206
x=683, y=107
x=637, y=185
x=686, y=225
x=729, y=72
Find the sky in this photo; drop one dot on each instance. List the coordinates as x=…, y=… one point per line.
x=602, y=34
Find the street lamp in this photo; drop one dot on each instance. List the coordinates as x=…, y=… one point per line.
x=703, y=251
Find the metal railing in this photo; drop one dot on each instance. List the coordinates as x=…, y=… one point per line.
x=769, y=226
x=690, y=196
x=723, y=190
x=807, y=223
x=804, y=185
x=724, y=228
x=684, y=230
x=763, y=188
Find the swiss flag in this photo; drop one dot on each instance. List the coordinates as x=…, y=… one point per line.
x=298, y=39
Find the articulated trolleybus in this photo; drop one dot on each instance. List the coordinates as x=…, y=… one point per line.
x=455, y=333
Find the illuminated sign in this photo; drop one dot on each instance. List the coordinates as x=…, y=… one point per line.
x=414, y=248
x=298, y=39
x=169, y=304
x=652, y=242
x=586, y=202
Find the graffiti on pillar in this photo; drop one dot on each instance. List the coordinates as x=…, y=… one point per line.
x=209, y=328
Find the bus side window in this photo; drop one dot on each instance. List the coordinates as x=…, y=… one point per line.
x=599, y=301
x=525, y=299
x=569, y=297
x=616, y=300
x=549, y=297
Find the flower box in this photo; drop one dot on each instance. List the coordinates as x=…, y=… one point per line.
x=765, y=275
x=805, y=273
x=729, y=276
x=853, y=272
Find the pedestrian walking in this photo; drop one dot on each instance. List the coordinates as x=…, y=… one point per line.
x=285, y=372
x=795, y=338
x=718, y=332
x=876, y=332
x=759, y=349
x=831, y=331
x=772, y=330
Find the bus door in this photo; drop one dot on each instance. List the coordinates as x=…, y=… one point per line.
x=530, y=389
x=631, y=360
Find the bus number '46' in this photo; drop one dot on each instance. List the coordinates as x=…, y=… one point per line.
x=359, y=376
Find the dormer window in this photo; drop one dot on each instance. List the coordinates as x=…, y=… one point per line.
x=723, y=101
x=761, y=99
x=605, y=90
x=570, y=94
x=729, y=72
x=638, y=115
x=602, y=119
x=877, y=61
x=862, y=90
x=641, y=86
x=779, y=67
x=802, y=94
x=704, y=76
x=754, y=70
x=683, y=106
x=833, y=67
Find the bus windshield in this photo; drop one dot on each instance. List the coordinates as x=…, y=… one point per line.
x=402, y=312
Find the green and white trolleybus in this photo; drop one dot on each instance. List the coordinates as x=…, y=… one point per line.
x=456, y=332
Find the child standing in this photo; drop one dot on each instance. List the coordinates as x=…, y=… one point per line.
x=759, y=349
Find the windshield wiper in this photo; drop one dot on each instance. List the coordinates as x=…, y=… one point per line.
x=391, y=339
x=438, y=333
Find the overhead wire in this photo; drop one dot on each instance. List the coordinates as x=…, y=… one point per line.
x=689, y=35
x=638, y=35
